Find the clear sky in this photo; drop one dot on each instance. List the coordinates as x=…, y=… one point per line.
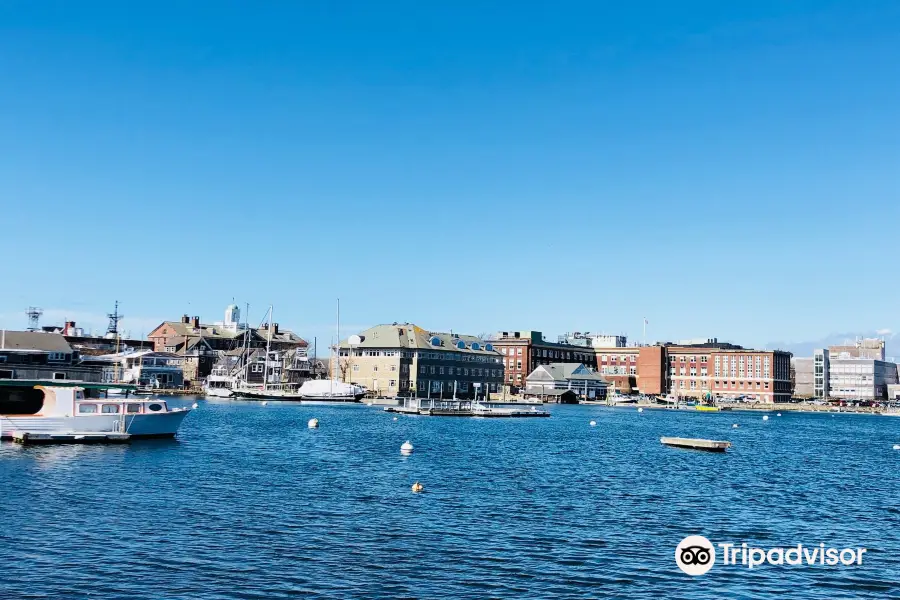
x=724, y=169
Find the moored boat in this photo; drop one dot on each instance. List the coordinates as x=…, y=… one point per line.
x=331, y=391
x=49, y=409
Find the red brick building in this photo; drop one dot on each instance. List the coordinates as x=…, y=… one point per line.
x=721, y=370
x=523, y=351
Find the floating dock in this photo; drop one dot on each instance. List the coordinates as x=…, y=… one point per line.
x=696, y=444
x=30, y=438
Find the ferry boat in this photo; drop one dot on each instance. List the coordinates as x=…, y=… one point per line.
x=53, y=409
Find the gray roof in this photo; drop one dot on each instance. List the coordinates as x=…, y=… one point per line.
x=218, y=332
x=564, y=372
x=35, y=341
x=408, y=335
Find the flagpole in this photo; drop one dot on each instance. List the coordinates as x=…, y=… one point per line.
x=644, y=339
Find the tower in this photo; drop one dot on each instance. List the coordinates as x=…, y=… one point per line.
x=34, y=315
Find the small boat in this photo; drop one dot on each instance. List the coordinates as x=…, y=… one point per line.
x=331, y=391
x=267, y=392
x=219, y=383
x=48, y=409
x=704, y=408
x=696, y=444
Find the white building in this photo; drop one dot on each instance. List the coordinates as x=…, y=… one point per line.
x=566, y=376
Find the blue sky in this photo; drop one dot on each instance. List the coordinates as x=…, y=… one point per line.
x=724, y=169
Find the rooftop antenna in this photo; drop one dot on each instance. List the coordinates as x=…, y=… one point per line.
x=114, y=318
x=34, y=315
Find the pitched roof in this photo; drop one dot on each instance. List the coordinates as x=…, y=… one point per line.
x=219, y=332
x=567, y=371
x=35, y=341
x=408, y=335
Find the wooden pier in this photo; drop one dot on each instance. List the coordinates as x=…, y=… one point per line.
x=30, y=438
x=696, y=444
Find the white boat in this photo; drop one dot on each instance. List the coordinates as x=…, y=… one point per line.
x=331, y=390
x=219, y=384
x=63, y=410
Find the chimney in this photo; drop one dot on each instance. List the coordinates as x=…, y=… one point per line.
x=275, y=328
x=185, y=319
x=195, y=322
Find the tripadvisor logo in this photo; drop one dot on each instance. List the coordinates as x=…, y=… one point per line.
x=696, y=555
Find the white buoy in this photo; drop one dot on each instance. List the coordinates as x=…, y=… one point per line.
x=395, y=418
x=640, y=410
x=313, y=423
x=406, y=448
x=896, y=446
x=195, y=405
x=593, y=423
x=265, y=403
x=765, y=417
x=417, y=487
x=779, y=414
x=734, y=426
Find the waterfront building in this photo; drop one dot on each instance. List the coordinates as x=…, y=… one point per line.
x=202, y=345
x=402, y=359
x=850, y=374
x=860, y=378
x=583, y=381
x=523, y=351
x=42, y=355
x=708, y=368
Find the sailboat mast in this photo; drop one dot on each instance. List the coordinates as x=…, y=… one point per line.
x=268, y=346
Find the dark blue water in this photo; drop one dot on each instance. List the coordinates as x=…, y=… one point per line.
x=249, y=503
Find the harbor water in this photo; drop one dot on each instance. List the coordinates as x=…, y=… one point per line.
x=249, y=502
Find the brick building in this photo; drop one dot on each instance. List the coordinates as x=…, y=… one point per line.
x=722, y=370
x=523, y=351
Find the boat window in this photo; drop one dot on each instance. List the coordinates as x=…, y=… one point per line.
x=154, y=407
x=132, y=408
x=110, y=408
x=86, y=409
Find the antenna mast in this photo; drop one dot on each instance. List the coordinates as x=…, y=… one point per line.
x=112, y=331
x=34, y=316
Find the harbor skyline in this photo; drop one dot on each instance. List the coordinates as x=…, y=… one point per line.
x=693, y=165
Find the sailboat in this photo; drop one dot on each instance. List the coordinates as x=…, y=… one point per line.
x=266, y=390
x=332, y=390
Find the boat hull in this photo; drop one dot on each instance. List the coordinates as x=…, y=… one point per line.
x=160, y=425
x=219, y=393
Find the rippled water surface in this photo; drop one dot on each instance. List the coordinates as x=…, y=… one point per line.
x=249, y=503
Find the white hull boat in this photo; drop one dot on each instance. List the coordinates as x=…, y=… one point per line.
x=64, y=410
x=218, y=392
x=329, y=390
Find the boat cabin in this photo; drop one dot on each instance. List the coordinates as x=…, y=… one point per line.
x=51, y=401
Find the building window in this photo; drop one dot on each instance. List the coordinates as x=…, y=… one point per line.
x=392, y=383
x=432, y=370
x=393, y=368
x=355, y=368
x=59, y=376
x=441, y=371
x=421, y=369
x=374, y=368
x=518, y=364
